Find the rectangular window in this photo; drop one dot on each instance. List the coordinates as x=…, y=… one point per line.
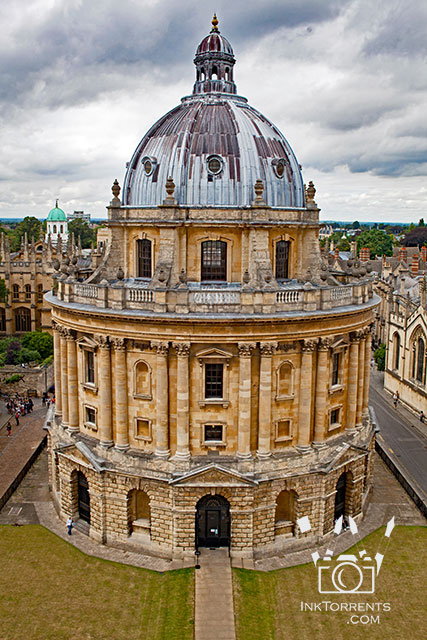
x=90, y=415
x=335, y=416
x=90, y=367
x=282, y=259
x=214, y=260
x=213, y=433
x=213, y=380
x=143, y=429
x=143, y=269
x=335, y=368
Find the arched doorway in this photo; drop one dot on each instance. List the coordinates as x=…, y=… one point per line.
x=213, y=522
x=83, y=497
x=340, y=496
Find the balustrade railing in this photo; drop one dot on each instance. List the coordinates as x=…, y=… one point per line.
x=140, y=295
x=289, y=297
x=86, y=290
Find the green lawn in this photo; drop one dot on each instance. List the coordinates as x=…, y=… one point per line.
x=49, y=590
x=268, y=605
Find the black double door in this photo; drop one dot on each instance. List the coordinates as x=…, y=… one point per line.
x=84, y=499
x=213, y=522
x=340, y=497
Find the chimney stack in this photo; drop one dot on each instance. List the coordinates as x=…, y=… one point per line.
x=424, y=254
x=402, y=254
x=415, y=266
x=365, y=254
x=337, y=253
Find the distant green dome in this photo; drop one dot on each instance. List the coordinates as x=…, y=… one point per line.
x=56, y=214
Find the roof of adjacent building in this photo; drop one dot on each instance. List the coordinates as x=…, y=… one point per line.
x=214, y=124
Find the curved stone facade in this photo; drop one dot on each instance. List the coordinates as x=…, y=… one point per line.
x=212, y=381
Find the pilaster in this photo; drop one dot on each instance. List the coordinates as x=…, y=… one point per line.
x=264, y=403
x=244, y=423
x=162, y=399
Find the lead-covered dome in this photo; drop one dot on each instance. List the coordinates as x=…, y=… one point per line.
x=214, y=145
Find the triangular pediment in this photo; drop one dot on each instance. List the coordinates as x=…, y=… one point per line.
x=87, y=343
x=214, y=353
x=82, y=454
x=213, y=475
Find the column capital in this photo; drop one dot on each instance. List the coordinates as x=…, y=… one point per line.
x=324, y=344
x=161, y=348
x=68, y=334
x=308, y=345
x=267, y=348
x=356, y=336
x=119, y=344
x=182, y=349
x=103, y=341
x=245, y=349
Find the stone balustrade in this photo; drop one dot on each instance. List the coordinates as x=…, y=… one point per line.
x=233, y=299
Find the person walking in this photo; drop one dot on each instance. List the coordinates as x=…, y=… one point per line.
x=17, y=417
x=70, y=524
x=421, y=416
x=8, y=429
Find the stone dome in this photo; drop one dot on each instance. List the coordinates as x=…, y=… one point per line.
x=214, y=145
x=56, y=214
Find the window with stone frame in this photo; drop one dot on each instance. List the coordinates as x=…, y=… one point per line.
x=214, y=380
x=142, y=380
x=285, y=381
x=40, y=293
x=27, y=292
x=2, y=319
x=336, y=362
x=214, y=261
x=283, y=430
x=22, y=319
x=143, y=429
x=420, y=360
x=282, y=260
x=90, y=415
x=143, y=258
x=213, y=432
x=89, y=366
x=15, y=292
x=335, y=417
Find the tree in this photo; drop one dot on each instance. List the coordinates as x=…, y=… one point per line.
x=379, y=357
x=29, y=225
x=416, y=237
x=81, y=230
x=356, y=224
x=379, y=242
x=421, y=222
x=38, y=341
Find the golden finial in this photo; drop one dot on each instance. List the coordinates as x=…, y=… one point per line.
x=214, y=23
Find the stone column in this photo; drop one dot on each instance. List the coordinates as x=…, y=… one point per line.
x=322, y=380
x=244, y=422
x=73, y=395
x=368, y=355
x=64, y=379
x=264, y=402
x=162, y=400
x=121, y=394
x=360, y=380
x=105, y=425
x=182, y=401
x=352, y=384
x=305, y=396
x=58, y=368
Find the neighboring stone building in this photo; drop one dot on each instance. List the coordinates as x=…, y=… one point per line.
x=56, y=225
x=212, y=376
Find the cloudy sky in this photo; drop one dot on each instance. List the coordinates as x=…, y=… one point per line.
x=345, y=80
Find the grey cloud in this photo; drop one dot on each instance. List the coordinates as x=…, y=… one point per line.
x=403, y=31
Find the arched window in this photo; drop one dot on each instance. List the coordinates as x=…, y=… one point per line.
x=396, y=350
x=54, y=228
x=285, y=375
x=285, y=513
x=227, y=73
x=282, y=260
x=142, y=387
x=15, y=292
x=27, y=292
x=420, y=360
x=40, y=293
x=2, y=319
x=143, y=259
x=214, y=75
x=214, y=260
x=61, y=229
x=22, y=319
x=139, y=512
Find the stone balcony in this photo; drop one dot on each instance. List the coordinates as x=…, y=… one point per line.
x=198, y=298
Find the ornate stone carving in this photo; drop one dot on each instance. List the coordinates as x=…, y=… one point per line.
x=324, y=344
x=259, y=190
x=103, y=341
x=287, y=346
x=68, y=334
x=119, y=344
x=115, y=189
x=357, y=336
x=267, y=348
x=308, y=345
x=182, y=349
x=161, y=348
x=245, y=349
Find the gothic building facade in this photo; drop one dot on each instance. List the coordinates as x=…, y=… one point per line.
x=212, y=375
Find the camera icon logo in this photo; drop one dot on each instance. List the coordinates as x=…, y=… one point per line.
x=347, y=576
x=349, y=573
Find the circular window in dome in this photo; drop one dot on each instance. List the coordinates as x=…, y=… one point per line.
x=149, y=165
x=279, y=167
x=215, y=165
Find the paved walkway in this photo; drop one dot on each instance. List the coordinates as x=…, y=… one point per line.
x=214, y=611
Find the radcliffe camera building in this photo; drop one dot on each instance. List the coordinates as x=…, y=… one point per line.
x=212, y=376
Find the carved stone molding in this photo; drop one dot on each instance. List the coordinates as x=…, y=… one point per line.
x=245, y=349
x=182, y=349
x=161, y=348
x=308, y=345
x=324, y=344
x=68, y=334
x=267, y=348
x=357, y=336
x=103, y=341
x=288, y=346
x=119, y=344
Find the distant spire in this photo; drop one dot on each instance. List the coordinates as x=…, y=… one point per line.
x=215, y=24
